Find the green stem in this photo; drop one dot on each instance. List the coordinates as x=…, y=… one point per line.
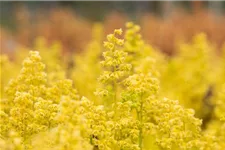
x=114, y=88
x=141, y=124
x=115, y=92
x=115, y=102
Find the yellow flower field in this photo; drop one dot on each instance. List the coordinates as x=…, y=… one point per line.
x=120, y=94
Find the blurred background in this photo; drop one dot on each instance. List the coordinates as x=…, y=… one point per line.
x=162, y=23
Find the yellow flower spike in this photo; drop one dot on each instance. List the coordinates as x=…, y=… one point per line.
x=115, y=66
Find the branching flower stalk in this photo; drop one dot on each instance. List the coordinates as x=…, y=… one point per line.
x=139, y=88
x=115, y=67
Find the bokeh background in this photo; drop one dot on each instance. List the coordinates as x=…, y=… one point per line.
x=71, y=22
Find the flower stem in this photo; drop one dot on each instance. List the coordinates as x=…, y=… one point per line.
x=141, y=122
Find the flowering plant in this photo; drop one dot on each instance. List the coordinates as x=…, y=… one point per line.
x=130, y=98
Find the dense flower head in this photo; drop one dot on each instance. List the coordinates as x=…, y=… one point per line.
x=29, y=111
x=32, y=105
x=175, y=126
x=32, y=76
x=115, y=67
x=99, y=130
x=114, y=59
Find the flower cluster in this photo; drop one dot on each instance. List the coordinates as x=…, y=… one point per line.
x=28, y=110
x=175, y=126
x=114, y=59
x=115, y=65
x=33, y=106
x=32, y=78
